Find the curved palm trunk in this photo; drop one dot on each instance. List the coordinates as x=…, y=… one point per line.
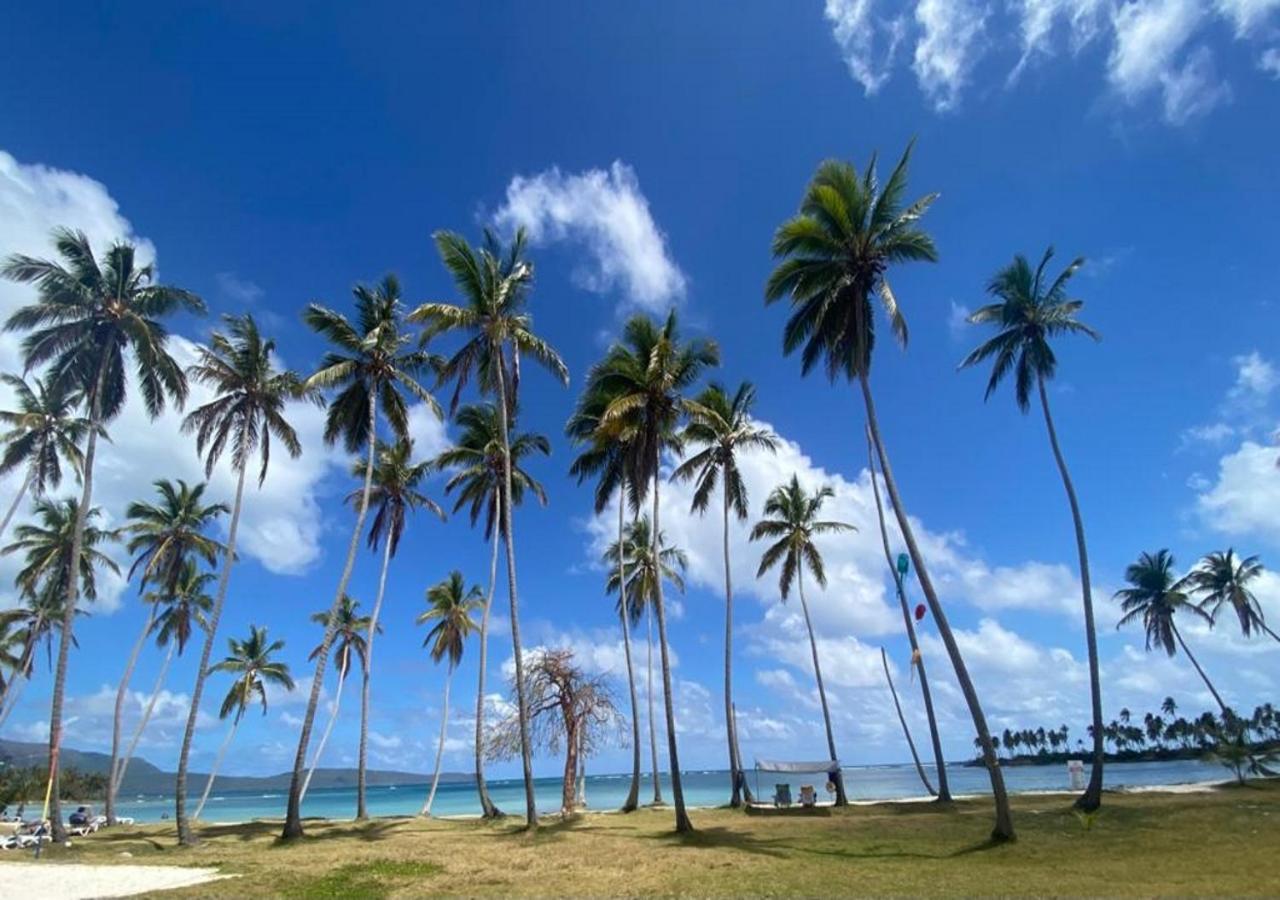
x=673, y=754
x=444, y=730
x=1091, y=799
x=146, y=717
x=362, y=766
x=1003, y=830
x=122, y=691
x=1263, y=625
x=940, y=764
x=1199, y=671
x=487, y=808
x=217, y=764
x=185, y=836
x=293, y=814
x=838, y=775
x=730, y=726
x=633, y=795
x=906, y=732
x=13, y=688
x=328, y=728
x=522, y=705
x=653, y=728
x=17, y=501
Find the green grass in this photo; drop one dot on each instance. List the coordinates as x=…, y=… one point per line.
x=1223, y=842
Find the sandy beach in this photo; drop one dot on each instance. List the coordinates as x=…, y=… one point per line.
x=75, y=881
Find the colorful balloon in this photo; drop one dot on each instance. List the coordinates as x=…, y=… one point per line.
x=919, y=611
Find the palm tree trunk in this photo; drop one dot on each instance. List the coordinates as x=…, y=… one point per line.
x=185, y=836
x=944, y=789
x=522, y=705
x=837, y=775
x=730, y=727
x=673, y=754
x=146, y=717
x=1200, y=671
x=906, y=732
x=17, y=501
x=328, y=728
x=13, y=688
x=122, y=691
x=487, y=808
x=72, y=596
x=293, y=814
x=1091, y=799
x=1003, y=830
x=633, y=795
x=217, y=764
x=1263, y=625
x=653, y=728
x=362, y=766
x=444, y=730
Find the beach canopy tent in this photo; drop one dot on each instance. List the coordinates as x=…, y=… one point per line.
x=804, y=767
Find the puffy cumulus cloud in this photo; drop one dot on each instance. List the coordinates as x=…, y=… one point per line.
x=868, y=42
x=1245, y=412
x=89, y=719
x=1035, y=586
x=1247, y=15
x=949, y=46
x=606, y=212
x=1244, y=499
x=1269, y=61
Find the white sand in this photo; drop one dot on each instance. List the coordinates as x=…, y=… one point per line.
x=73, y=881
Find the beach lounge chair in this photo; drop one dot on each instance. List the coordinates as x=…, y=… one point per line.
x=808, y=796
x=782, y=795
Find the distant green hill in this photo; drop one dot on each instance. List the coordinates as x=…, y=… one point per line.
x=145, y=778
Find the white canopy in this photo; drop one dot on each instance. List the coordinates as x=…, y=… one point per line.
x=776, y=765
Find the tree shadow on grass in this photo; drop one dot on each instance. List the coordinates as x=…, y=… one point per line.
x=721, y=839
x=362, y=831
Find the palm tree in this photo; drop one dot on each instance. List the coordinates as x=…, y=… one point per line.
x=250, y=661
x=174, y=613
x=477, y=463
x=635, y=573
x=722, y=426
x=449, y=607
x=351, y=638
x=163, y=537
x=1155, y=596
x=395, y=493
x=495, y=284
x=43, y=431
x=1029, y=311
x=248, y=409
x=372, y=364
x=917, y=658
x=1224, y=581
x=25, y=627
x=835, y=253
x=87, y=314
x=791, y=522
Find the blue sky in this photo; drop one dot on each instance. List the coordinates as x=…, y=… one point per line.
x=268, y=157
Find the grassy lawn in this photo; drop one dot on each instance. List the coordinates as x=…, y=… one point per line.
x=1224, y=842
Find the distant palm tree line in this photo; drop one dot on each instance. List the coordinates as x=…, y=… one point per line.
x=95, y=333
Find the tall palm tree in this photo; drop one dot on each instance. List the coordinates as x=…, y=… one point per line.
x=1029, y=311
x=1156, y=595
x=250, y=661
x=495, y=285
x=1223, y=580
x=89, y=320
x=350, y=638
x=791, y=522
x=163, y=537
x=395, y=493
x=248, y=409
x=834, y=256
x=25, y=627
x=722, y=426
x=373, y=365
x=449, y=607
x=43, y=430
x=635, y=573
x=917, y=659
x=476, y=461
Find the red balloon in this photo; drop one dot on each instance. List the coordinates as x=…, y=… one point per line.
x=919, y=611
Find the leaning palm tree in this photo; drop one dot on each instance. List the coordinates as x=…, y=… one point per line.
x=248, y=409
x=372, y=364
x=722, y=426
x=90, y=319
x=635, y=573
x=834, y=255
x=163, y=538
x=250, y=661
x=25, y=628
x=43, y=430
x=476, y=461
x=350, y=638
x=449, y=607
x=1223, y=580
x=1155, y=596
x=395, y=493
x=495, y=285
x=791, y=522
x=1030, y=310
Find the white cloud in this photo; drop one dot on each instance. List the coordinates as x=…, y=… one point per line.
x=1247, y=15
x=1193, y=89
x=1256, y=379
x=608, y=213
x=867, y=42
x=950, y=43
x=1244, y=500
x=1269, y=61
x=958, y=321
x=238, y=289
x=1037, y=19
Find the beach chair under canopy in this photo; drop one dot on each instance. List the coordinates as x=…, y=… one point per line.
x=782, y=794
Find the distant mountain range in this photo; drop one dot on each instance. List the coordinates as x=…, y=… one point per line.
x=146, y=778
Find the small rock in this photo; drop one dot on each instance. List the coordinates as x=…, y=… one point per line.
x=126, y=854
